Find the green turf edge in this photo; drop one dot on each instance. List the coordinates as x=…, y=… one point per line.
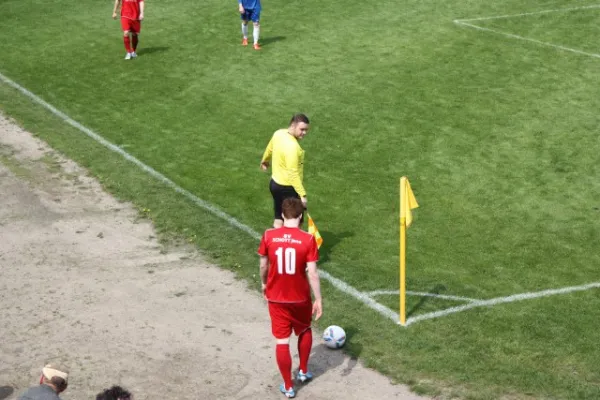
x=176, y=218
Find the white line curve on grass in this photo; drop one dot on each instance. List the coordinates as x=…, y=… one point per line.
x=335, y=282
x=526, y=39
x=555, y=10
x=422, y=294
x=502, y=300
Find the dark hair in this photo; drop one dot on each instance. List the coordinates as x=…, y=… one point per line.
x=58, y=382
x=114, y=393
x=292, y=208
x=299, y=118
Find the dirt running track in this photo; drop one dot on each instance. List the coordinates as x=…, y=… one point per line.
x=85, y=283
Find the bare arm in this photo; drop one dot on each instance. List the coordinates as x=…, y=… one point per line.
x=142, y=7
x=264, y=271
x=315, y=285
x=115, y=8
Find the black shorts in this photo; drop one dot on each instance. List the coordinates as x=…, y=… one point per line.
x=280, y=193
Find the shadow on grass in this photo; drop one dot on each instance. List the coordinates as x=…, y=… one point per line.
x=150, y=50
x=323, y=359
x=330, y=240
x=435, y=290
x=273, y=39
x=5, y=392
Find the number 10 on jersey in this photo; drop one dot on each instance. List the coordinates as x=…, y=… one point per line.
x=286, y=260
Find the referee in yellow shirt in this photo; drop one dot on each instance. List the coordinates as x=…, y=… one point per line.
x=288, y=164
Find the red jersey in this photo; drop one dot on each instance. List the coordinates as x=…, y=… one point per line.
x=288, y=250
x=131, y=9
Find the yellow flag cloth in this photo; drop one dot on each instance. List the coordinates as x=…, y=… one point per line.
x=312, y=229
x=407, y=201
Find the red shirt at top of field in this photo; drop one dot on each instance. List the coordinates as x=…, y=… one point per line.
x=288, y=250
x=131, y=9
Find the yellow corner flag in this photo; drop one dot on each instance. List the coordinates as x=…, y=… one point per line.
x=408, y=201
x=312, y=229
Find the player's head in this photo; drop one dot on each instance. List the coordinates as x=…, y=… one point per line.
x=114, y=393
x=299, y=125
x=55, y=376
x=292, y=210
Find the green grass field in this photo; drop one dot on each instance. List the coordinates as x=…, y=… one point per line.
x=498, y=136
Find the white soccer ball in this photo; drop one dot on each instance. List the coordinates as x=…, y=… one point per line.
x=334, y=337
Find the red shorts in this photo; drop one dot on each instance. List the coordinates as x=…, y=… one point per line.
x=288, y=316
x=131, y=25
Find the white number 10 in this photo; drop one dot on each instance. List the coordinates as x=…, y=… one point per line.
x=290, y=260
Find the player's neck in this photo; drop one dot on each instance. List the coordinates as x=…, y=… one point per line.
x=291, y=224
x=51, y=386
x=292, y=134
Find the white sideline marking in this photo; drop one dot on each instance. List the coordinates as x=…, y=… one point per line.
x=423, y=294
x=529, y=13
x=364, y=297
x=338, y=284
x=502, y=300
x=518, y=37
x=512, y=35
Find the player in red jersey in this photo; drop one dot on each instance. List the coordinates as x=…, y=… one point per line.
x=132, y=14
x=288, y=270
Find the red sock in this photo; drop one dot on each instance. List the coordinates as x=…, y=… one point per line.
x=127, y=42
x=304, y=346
x=284, y=362
x=134, y=41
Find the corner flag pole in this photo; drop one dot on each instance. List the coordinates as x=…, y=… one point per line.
x=402, y=252
x=407, y=203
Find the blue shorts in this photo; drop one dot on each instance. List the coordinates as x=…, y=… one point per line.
x=251, y=15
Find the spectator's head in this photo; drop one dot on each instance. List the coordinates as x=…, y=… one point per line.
x=55, y=376
x=114, y=393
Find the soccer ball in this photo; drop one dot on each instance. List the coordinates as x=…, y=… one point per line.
x=334, y=337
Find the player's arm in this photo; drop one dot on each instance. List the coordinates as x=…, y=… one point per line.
x=264, y=272
x=264, y=162
x=241, y=7
x=115, y=8
x=142, y=7
x=263, y=252
x=293, y=161
x=315, y=285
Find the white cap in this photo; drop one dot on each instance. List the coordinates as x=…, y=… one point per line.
x=52, y=370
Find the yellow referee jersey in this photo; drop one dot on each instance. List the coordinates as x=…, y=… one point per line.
x=288, y=160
